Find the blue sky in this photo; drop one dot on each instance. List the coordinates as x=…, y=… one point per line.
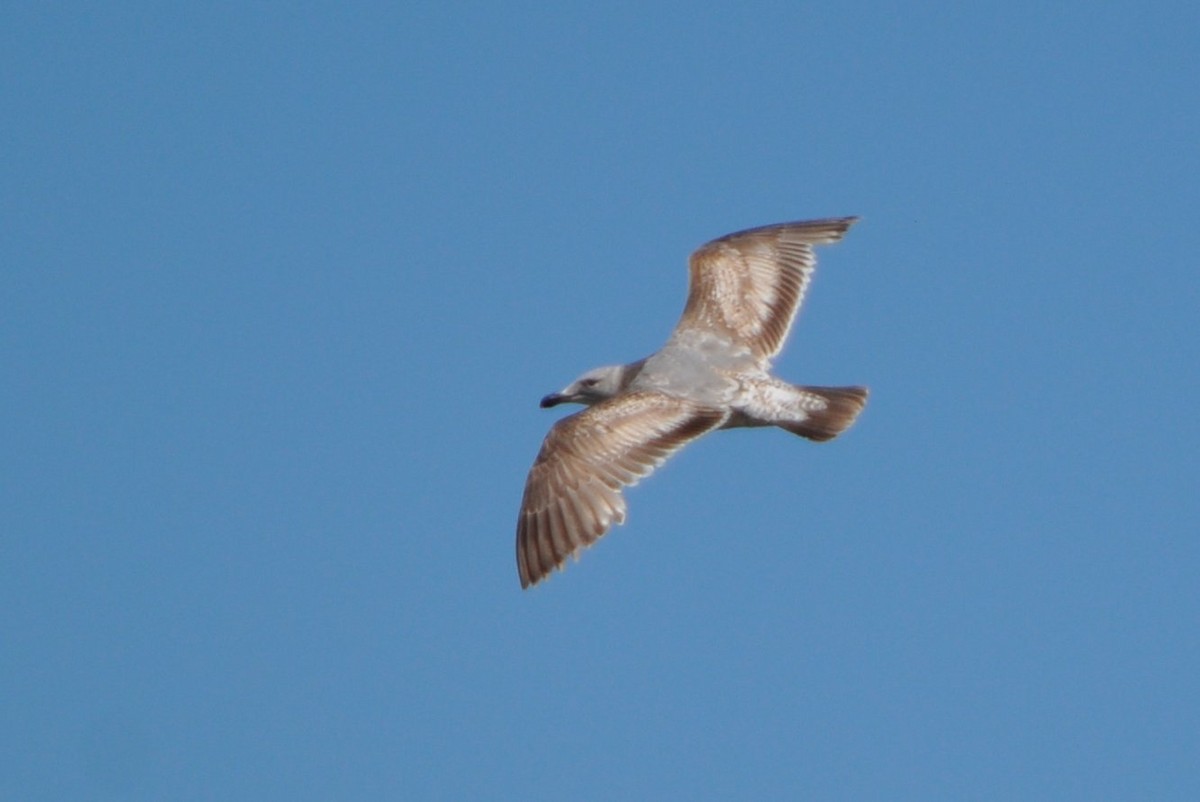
x=282, y=286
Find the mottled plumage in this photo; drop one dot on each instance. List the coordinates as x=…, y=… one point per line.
x=714, y=372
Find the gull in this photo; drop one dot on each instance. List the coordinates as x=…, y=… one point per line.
x=714, y=372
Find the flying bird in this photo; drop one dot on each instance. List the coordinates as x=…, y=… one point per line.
x=713, y=373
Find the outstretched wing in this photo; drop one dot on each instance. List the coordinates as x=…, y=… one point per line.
x=750, y=284
x=573, y=493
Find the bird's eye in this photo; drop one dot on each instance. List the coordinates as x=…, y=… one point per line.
x=589, y=382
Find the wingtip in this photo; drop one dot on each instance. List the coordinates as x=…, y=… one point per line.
x=824, y=231
x=829, y=230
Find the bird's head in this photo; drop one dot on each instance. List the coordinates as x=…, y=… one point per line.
x=590, y=388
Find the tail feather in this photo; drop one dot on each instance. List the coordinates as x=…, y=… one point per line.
x=842, y=405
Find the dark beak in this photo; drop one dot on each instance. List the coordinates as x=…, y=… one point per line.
x=553, y=400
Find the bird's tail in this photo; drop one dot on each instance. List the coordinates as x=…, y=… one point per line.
x=842, y=405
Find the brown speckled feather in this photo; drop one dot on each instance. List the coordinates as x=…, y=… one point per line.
x=573, y=493
x=750, y=284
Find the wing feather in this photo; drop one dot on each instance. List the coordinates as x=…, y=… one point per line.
x=750, y=284
x=573, y=493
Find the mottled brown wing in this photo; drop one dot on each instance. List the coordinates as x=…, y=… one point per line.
x=573, y=493
x=750, y=284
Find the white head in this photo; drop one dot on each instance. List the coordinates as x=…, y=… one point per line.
x=592, y=387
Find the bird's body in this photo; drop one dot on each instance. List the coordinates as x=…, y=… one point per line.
x=714, y=372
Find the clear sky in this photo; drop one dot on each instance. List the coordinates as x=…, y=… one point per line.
x=281, y=286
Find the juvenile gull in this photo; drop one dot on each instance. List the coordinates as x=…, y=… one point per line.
x=713, y=373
